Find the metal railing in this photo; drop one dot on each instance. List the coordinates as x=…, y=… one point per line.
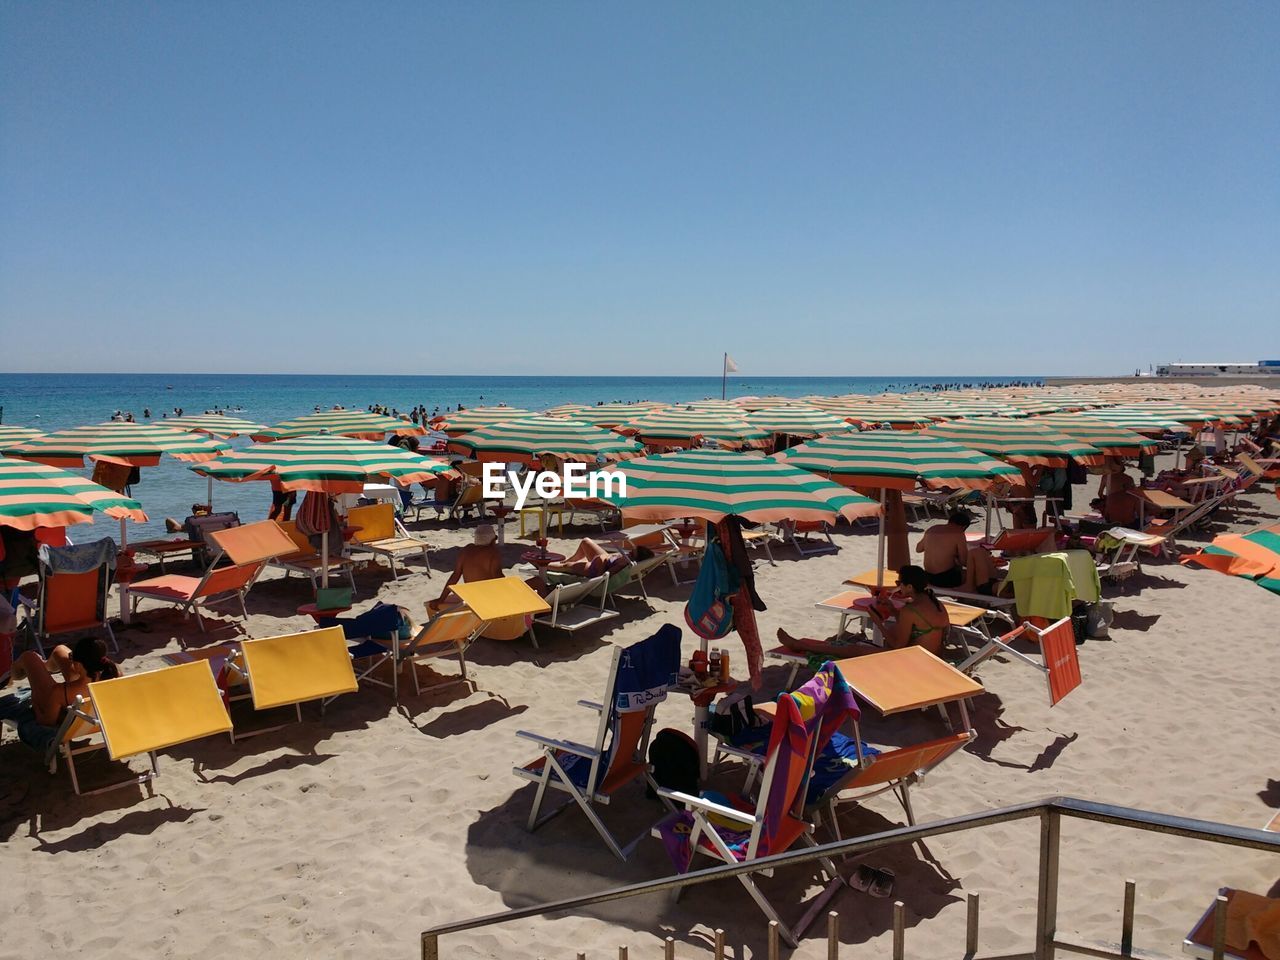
x=1050, y=812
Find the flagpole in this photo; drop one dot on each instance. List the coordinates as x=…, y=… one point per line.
x=724, y=377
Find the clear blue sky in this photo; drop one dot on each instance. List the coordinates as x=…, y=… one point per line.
x=594, y=188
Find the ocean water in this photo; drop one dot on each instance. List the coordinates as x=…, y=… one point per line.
x=50, y=402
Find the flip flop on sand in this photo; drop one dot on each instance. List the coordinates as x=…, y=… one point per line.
x=862, y=878
x=882, y=885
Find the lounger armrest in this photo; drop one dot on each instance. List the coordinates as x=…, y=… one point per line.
x=568, y=746
x=746, y=756
x=706, y=806
x=591, y=705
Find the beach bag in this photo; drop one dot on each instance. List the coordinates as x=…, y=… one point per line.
x=673, y=760
x=1101, y=615
x=733, y=718
x=708, y=612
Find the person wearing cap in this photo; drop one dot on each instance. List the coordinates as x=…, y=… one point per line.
x=946, y=550
x=481, y=560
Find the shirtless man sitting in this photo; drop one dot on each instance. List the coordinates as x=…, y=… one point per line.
x=946, y=551
x=480, y=560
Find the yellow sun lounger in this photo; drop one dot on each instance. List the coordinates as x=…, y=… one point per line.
x=380, y=533
x=292, y=669
x=139, y=714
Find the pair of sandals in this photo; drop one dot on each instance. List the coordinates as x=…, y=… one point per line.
x=877, y=881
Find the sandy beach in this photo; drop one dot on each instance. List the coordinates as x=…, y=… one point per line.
x=348, y=833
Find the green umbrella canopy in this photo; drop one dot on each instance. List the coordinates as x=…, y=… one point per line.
x=35, y=495
x=898, y=459
x=529, y=437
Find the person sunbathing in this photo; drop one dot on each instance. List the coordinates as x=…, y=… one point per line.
x=50, y=698
x=589, y=560
x=480, y=560
x=921, y=622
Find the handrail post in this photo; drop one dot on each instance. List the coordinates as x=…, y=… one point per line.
x=430, y=946
x=1047, y=894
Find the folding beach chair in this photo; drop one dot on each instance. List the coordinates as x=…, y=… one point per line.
x=447, y=634
x=306, y=560
x=594, y=509
x=1059, y=661
x=248, y=548
x=1120, y=549
x=639, y=677
x=290, y=670
x=570, y=610
x=140, y=714
x=381, y=533
x=775, y=820
x=74, y=583
x=808, y=537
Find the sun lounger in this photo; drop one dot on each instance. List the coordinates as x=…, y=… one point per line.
x=249, y=547
x=1120, y=551
x=569, y=607
x=639, y=679
x=72, y=597
x=1059, y=661
x=775, y=820
x=139, y=714
x=306, y=560
x=379, y=532
x=290, y=670
x=807, y=537
x=445, y=635
x=596, y=510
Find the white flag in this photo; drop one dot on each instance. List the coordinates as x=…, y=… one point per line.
x=729, y=365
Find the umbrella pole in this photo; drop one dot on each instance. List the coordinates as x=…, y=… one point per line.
x=324, y=558
x=880, y=543
x=124, y=535
x=988, y=502
x=209, y=501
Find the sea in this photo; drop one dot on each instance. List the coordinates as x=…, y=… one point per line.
x=56, y=401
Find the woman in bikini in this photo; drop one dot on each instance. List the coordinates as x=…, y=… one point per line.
x=921, y=622
x=589, y=560
x=51, y=698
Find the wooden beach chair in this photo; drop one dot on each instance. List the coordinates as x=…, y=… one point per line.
x=639, y=679
x=380, y=532
x=249, y=547
x=74, y=602
x=290, y=670
x=139, y=714
x=1059, y=661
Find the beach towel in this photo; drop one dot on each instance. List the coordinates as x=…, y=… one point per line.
x=1042, y=585
x=78, y=558
x=647, y=670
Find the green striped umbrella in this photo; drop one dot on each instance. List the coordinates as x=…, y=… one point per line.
x=1138, y=420
x=1254, y=555
x=463, y=421
x=898, y=460
x=766, y=403
x=602, y=414
x=681, y=426
x=529, y=437
x=798, y=420
x=342, y=423
x=135, y=444
x=325, y=463
x=214, y=424
x=871, y=412
x=34, y=495
x=1018, y=441
x=14, y=435
x=1110, y=439
x=713, y=484
x=1192, y=416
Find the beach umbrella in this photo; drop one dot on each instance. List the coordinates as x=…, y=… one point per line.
x=132, y=444
x=325, y=464
x=682, y=426
x=463, y=421
x=215, y=425
x=602, y=414
x=1138, y=420
x=1020, y=441
x=342, y=423
x=1110, y=439
x=1191, y=416
x=1254, y=555
x=35, y=495
x=529, y=437
x=798, y=420
x=13, y=435
x=893, y=461
x=871, y=412
x=765, y=403
x=712, y=484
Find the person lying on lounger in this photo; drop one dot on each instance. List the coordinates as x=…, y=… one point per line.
x=921, y=622
x=50, y=698
x=589, y=560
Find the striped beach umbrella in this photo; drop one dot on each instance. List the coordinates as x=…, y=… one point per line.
x=1145, y=422
x=713, y=484
x=529, y=437
x=1018, y=441
x=898, y=460
x=463, y=421
x=215, y=425
x=330, y=464
x=13, y=435
x=1191, y=416
x=34, y=495
x=602, y=414
x=342, y=423
x=765, y=403
x=134, y=444
x=1254, y=555
x=682, y=426
x=1110, y=439
x=871, y=412
x=798, y=420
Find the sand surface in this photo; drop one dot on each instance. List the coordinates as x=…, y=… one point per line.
x=347, y=834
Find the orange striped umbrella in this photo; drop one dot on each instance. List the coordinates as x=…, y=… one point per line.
x=683, y=425
x=798, y=420
x=14, y=435
x=34, y=495
x=215, y=425
x=133, y=444
x=529, y=437
x=898, y=460
x=456, y=424
x=342, y=423
x=602, y=414
x=1111, y=440
x=1020, y=441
